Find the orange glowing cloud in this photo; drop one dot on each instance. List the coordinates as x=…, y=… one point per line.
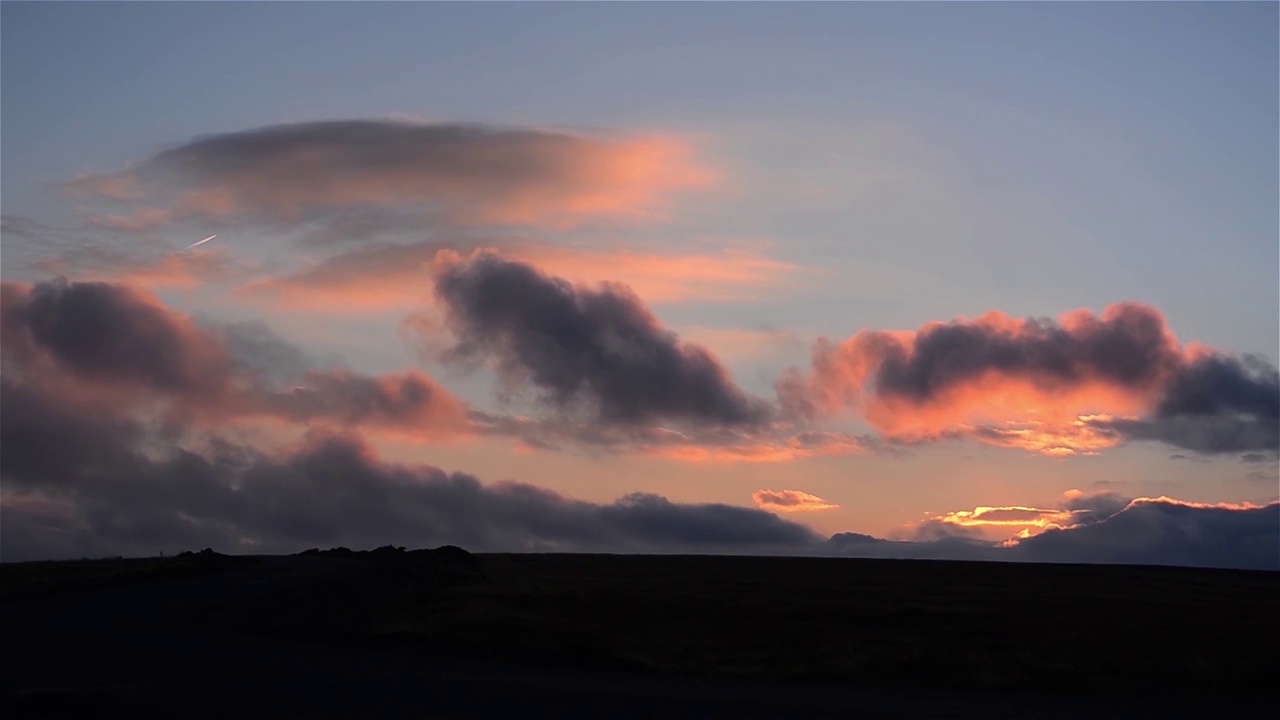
x=1166, y=500
x=1013, y=522
x=790, y=501
x=468, y=174
x=1025, y=520
x=1051, y=387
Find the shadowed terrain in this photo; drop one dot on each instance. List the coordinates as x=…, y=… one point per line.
x=445, y=633
x=937, y=624
x=28, y=579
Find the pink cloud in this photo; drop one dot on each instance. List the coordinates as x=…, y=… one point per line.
x=790, y=501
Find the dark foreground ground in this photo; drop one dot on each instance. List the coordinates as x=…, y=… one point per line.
x=449, y=635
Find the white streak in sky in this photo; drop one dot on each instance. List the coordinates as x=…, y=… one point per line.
x=198, y=244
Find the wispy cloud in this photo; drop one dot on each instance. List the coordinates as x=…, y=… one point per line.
x=699, y=443
x=391, y=276
x=175, y=269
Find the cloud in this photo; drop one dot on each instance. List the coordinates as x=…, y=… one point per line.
x=581, y=347
x=369, y=279
x=141, y=222
x=1143, y=531
x=695, y=444
x=81, y=483
x=113, y=334
x=30, y=229
x=1203, y=433
x=396, y=276
x=1163, y=531
x=120, y=343
x=1214, y=404
x=1081, y=383
x=789, y=501
x=1093, y=507
x=745, y=342
x=150, y=270
x=83, y=478
x=95, y=251
x=1003, y=522
x=474, y=174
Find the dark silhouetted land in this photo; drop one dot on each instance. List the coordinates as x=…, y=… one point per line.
x=445, y=633
x=32, y=579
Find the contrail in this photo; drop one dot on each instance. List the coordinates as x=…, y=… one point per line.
x=198, y=244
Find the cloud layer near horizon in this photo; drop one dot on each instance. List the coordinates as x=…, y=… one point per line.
x=83, y=480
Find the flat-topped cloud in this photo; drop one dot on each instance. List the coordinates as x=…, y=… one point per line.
x=456, y=173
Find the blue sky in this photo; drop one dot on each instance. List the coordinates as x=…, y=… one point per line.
x=909, y=162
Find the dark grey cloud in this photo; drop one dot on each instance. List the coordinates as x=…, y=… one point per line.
x=1129, y=348
x=1150, y=532
x=1215, y=404
x=47, y=438
x=1167, y=533
x=117, y=499
x=601, y=348
x=1207, y=434
x=1218, y=385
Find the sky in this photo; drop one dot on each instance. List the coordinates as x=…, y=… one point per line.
x=964, y=280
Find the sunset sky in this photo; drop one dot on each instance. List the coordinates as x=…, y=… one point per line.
x=905, y=279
